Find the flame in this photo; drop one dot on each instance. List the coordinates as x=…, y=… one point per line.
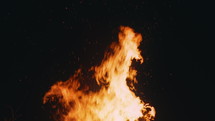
x=115, y=100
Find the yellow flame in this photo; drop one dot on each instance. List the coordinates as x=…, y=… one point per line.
x=115, y=101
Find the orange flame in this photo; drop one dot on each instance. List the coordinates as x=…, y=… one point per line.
x=115, y=101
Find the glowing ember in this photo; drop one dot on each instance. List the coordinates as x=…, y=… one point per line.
x=115, y=101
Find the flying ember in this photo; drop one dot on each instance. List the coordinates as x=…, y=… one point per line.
x=115, y=99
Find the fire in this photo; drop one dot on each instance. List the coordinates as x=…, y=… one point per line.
x=115, y=100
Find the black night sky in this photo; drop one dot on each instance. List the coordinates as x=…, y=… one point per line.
x=45, y=41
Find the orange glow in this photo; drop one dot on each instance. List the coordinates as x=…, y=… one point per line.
x=115, y=101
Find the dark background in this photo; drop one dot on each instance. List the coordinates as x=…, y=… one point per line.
x=46, y=41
